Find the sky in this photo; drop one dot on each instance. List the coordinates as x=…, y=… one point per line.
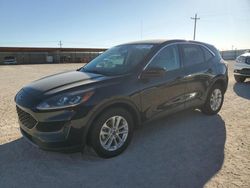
x=105, y=23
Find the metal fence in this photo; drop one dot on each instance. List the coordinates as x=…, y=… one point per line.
x=232, y=54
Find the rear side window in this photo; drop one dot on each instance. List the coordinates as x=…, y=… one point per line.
x=192, y=54
x=207, y=54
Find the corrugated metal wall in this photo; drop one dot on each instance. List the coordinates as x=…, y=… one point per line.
x=42, y=57
x=35, y=55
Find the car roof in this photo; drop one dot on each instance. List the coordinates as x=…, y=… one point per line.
x=154, y=41
x=164, y=41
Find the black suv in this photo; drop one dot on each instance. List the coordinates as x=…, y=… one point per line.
x=101, y=103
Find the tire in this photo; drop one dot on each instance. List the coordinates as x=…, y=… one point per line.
x=239, y=79
x=105, y=138
x=211, y=107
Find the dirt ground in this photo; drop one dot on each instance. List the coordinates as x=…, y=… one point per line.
x=187, y=149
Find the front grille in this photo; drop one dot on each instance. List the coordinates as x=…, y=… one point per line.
x=25, y=118
x=50, y=126
x=245, y=71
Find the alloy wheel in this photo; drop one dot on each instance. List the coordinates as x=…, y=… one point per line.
x=216, y=99
x=114, y=133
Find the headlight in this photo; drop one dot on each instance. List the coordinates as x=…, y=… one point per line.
x=65, y=100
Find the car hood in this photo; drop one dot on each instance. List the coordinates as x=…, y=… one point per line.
x=62, y=81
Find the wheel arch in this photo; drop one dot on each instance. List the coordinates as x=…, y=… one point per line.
x=222, y=83
x=118, y=103
x=221, y=80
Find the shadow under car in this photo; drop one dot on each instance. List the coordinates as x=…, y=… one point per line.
x=185, y=149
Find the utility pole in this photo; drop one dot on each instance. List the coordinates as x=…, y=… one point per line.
x=60, y=44
x=59, y=54
x=195, y=20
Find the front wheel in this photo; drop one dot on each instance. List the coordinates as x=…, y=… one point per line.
x=214, y=101
x=112, y=132
x=239, y=79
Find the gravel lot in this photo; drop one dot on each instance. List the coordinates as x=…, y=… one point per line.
x=187, y=149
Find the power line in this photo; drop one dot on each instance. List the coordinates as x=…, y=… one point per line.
x=195, y=20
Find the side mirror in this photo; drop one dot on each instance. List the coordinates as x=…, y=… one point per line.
x=153, y=72
x=78, y=69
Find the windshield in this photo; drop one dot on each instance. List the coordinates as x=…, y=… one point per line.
x=118, y=60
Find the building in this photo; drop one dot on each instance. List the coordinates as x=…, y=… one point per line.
x=33, y=55
x=24, y=55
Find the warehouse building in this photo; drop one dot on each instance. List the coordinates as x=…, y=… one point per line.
x=233, y=54
x=24, y=55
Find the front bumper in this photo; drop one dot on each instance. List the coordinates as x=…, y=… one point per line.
x=242, y=69
x=54, y=131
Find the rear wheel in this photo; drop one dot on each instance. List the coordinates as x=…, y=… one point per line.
x=112, y=132
x=239, y=78
x=214, y=100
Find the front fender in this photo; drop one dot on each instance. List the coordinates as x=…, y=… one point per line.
x=105, y=104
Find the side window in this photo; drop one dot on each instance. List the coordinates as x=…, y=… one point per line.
x=192, y=54
x=248, y=60
x=207, y=54
x=167, y=58
x=242, y=59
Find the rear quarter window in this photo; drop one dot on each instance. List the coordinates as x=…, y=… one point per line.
x=192, y=54
x=207, y=54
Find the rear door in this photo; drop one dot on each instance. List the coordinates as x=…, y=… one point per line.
x=197, y=73
x=164, y=93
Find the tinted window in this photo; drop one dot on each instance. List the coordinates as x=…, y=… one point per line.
x=167, y=58
x=207, y=54
x=192, y=54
